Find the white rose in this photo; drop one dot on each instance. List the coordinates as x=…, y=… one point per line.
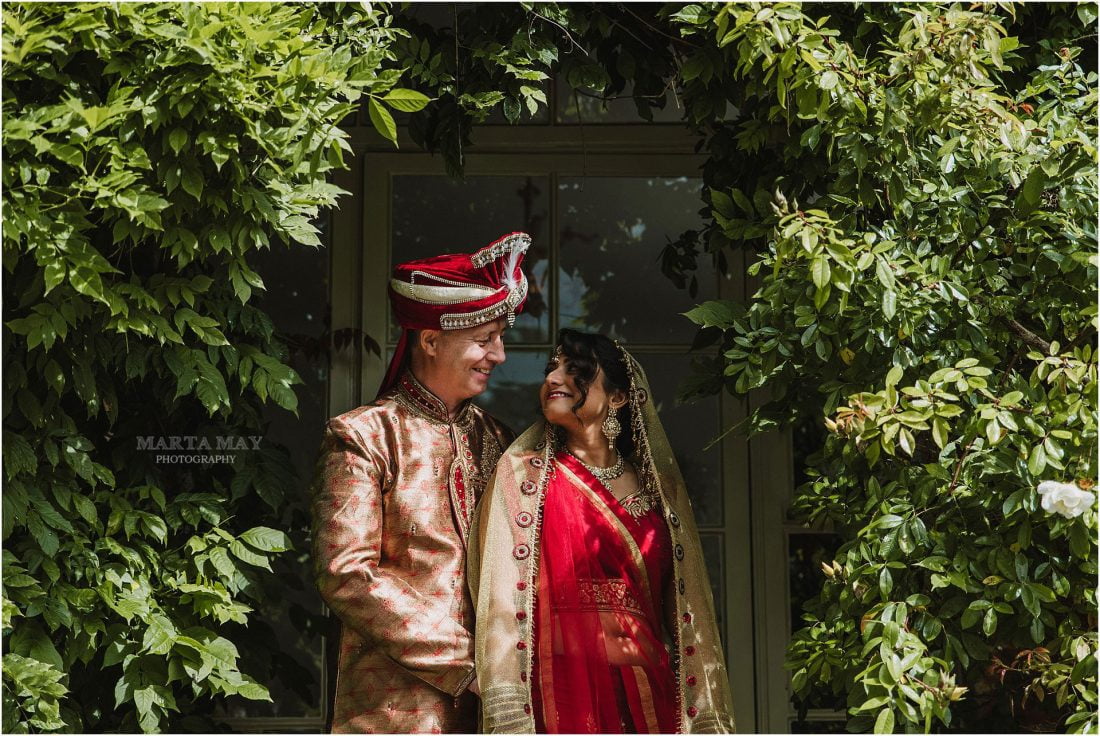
x=1065, y=498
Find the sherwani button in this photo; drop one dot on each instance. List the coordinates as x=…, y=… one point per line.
x=681, y=586
x=536, y=462
x=521, y=552
x=679, y=552
x=693, y=711
x=527, y=487
x=524, y=519
x=691, y=681
x=687, y=618
x=521, y=645
x=689, y=650
x=520, y=615
x=527, y=708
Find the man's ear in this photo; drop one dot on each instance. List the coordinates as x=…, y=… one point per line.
x=429, y=342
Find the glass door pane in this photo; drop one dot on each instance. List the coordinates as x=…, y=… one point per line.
x=612, y=231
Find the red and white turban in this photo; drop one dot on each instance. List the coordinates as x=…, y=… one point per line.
x=456, y=291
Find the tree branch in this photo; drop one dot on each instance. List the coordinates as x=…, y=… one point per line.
x=1029, y=337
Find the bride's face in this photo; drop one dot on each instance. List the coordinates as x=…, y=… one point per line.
x=559, y=393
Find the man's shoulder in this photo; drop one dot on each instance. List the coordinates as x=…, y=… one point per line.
x=379, y=410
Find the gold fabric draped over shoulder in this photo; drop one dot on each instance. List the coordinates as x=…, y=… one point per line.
x=393, y=500
x=502, y=572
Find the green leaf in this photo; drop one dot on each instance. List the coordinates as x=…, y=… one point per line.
x=159, y=636
x=244, y=554
x=885, y=721
x=713, y=314
x=692, y=13
x=821, y=271
x=889, y=303
x=69, y=154
x=1038, y=460
x=382, y=120
x=939, y=432
x=30, y=640
x=192, y=182
x=177, y=139
x=405, y=100
x=266, y=539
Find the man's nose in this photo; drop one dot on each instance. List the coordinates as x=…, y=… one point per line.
x=496, y=352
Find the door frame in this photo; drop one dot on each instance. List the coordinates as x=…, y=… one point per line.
x=755, y=556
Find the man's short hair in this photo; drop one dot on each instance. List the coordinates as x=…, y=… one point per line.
x=413, y=337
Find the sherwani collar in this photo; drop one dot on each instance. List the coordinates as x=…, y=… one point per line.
x=427, y=403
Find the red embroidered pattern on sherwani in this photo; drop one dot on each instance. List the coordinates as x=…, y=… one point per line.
x=393, y=497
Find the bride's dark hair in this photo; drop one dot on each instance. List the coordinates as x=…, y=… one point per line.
x=587, y=352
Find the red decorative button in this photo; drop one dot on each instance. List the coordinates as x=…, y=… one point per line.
x=524, y=519
x=520, y=615
x=523, y=677
x=521, y=552
x=693, y=711
x=521, y=645
x=527, y=709
x=689, y=650
x=687, y=618
x=691, y=681
x=527, y=487
x=536, y=462
x=521, y=585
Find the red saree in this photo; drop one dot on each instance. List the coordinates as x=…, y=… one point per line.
x=601, y=664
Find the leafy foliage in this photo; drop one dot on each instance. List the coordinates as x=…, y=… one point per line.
x=148, y=150
x=934, y=301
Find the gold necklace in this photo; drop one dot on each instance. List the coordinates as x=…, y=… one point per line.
x=602, y=474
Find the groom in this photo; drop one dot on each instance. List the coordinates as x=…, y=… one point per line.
x=394, y=496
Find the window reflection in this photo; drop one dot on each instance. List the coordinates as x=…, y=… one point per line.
x=689, y=428
x=714, y=558
x=612, y=230
x=513, y=393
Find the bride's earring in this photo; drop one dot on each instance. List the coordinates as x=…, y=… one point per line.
x=611, y=427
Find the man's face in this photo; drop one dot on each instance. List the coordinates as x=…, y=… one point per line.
x=464, y=359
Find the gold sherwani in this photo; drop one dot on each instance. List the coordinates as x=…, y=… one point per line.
x=393, y=500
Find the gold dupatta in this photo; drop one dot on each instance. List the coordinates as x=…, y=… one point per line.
x=503, y=565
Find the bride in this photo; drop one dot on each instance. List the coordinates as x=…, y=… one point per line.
x=594, y=613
